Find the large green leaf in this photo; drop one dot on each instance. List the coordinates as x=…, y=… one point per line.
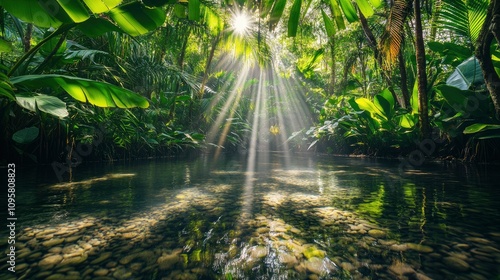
x=349, y=10
x=6, y=88
x=365, y=8
x=465, y=18
x=136, y=19
x=194, y=10
x=337, y=14
x=293, y=21
x=330, y=29
x=467, y=74
x=66, y=11
x=276, y=12
x=367, y=105
x=97, y=93
x=479, y=127
x=94, y=27
x=30, y=11
x=384, y=101
x=101, y=6
x=45, y=103
x=26, y=135
x=455, y=97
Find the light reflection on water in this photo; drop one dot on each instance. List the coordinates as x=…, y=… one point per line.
x=333, y=218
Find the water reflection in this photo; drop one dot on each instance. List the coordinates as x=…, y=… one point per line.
x=333, y=219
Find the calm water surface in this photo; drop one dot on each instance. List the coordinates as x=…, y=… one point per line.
x=284, y=218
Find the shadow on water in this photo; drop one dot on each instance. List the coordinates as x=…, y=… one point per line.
x=322, y=218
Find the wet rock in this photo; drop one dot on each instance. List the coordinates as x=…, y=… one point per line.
x=421, y=276
x=53, y=242
x=400, y=269
x=165, y=262
x=57, y=276
x=257, y=252
x=419, y=248
x=50, y=261
x=73, y=260
x=287, y=259
x=399, y=247
x=104, y=256
x=122, y=274
x=21, y=267
x=101, y=272
x=478, y=240
x=319, y=266
x=312, y=251
x=72, y=239
x=347, y=266
x=456, y=264
x=376, y=233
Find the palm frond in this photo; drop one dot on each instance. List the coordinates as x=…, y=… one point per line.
x=392, y=39
x=464, y=18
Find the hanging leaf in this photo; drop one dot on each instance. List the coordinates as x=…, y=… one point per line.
x=194, y=10
x=101, y=6
x=45, y=103
x=158, y=3
x=293, y=21
x=6, y=88
x=97, y=93
x=26, y=135
x=337, y=14
x=376, y=3
x=330, y=30
x=136, y=19
x=180, y=11
x=276, y=13
x=365, y=8
x=66, y=11
x=94, y=27
x=30, y=11
x=349, y=10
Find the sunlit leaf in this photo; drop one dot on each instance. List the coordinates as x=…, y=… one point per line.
x=66, y=11
x=330, y=29
x=293, y=21
x=136, y=19
x=101, y=6
x=26, y=135
x=276, y=13
x=180, y=11
x=30, y=11
x=349, y=10
x=97, y=93
x=478, y=127
x=337, y=14
x=94, y=27
x=365, y=8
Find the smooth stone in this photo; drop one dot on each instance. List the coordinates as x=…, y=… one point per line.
x=377, y=233
x=478, y=240
x=122, y=274
x=319, y=266
x=21, y=267
x=456, y=264
x=420, y=276
x=104, y=256
x=74, y=260
x=57, y=276
x=165, y=262
x=399, y=247
x=347, y=266
x=401, y=269
x=53, y=242
x=101, y=272
x=420, y=248
x=257, y=252
x=72, y=239
x=287, y=259
x=50, y=261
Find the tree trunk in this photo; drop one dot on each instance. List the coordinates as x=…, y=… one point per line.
x=404, y=80
x=333, y=70
x=490, y=31
x=421, y=73
x=207, y=66
x=27, y=37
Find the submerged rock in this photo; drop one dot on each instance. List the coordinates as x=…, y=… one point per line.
x=456, y=264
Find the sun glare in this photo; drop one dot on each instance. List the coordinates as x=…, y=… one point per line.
x=240, y=22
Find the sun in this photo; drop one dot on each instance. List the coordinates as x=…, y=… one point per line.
x=240, y=22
